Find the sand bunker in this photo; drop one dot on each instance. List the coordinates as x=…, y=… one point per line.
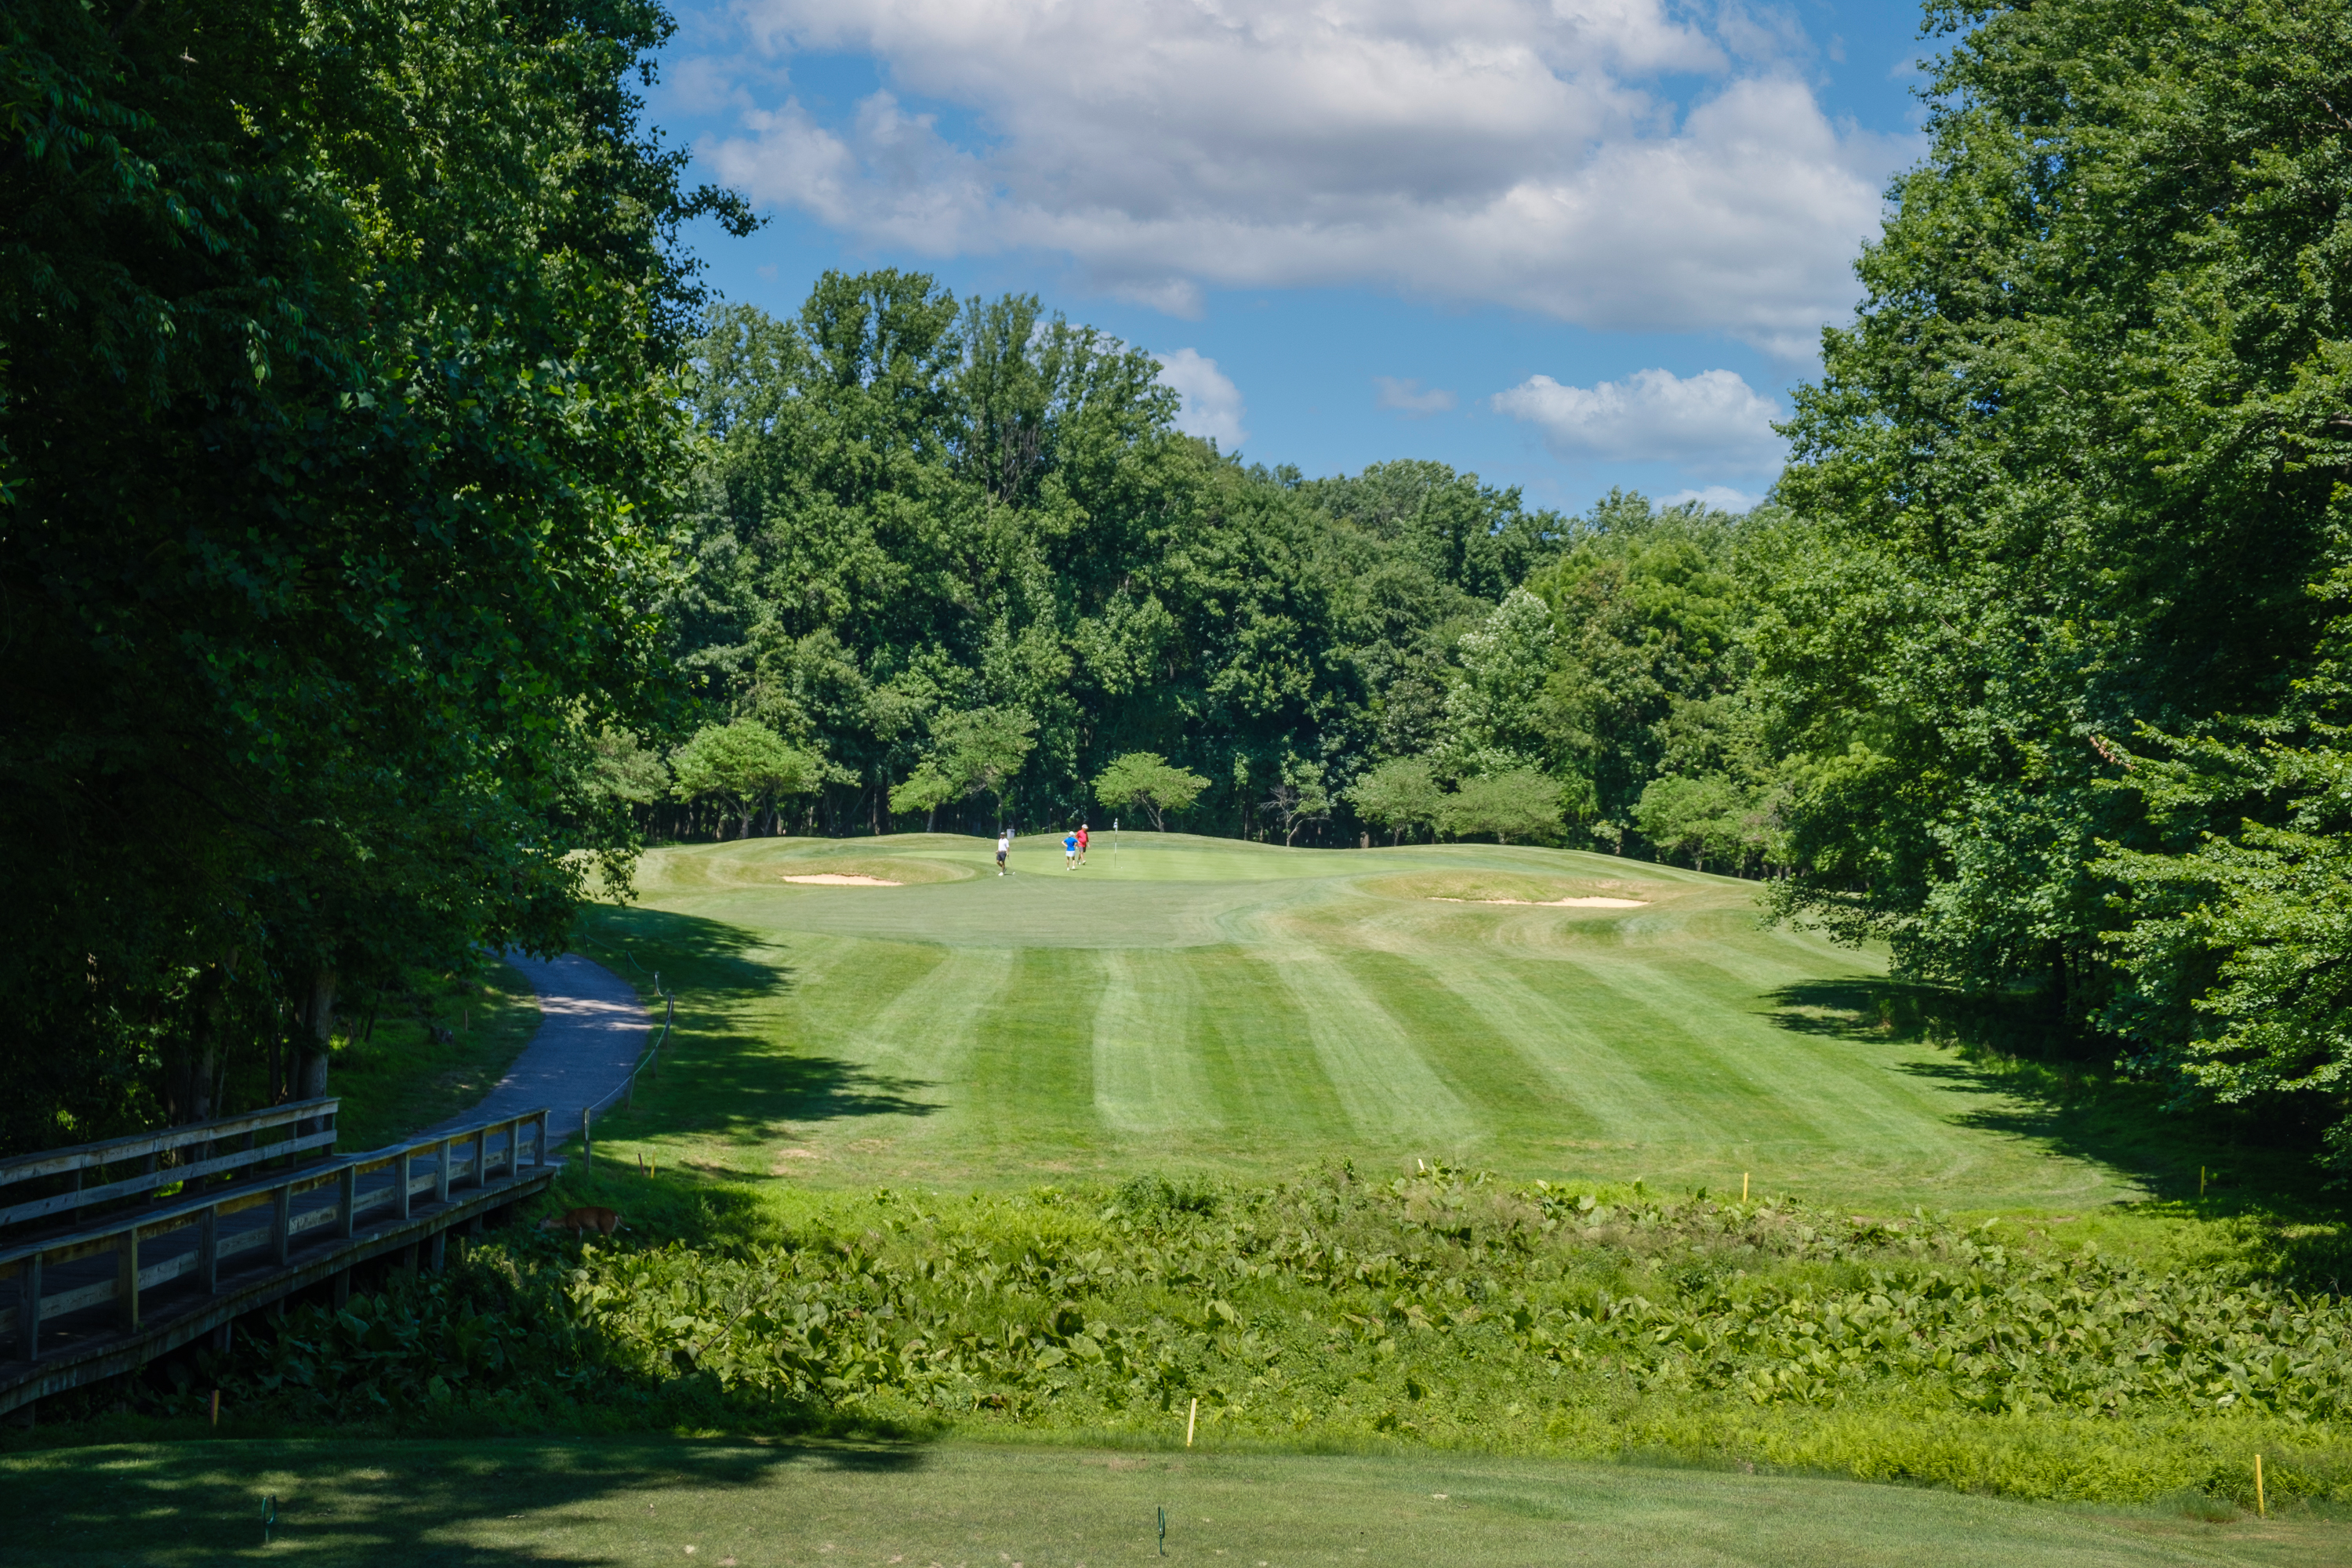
x=840, y=880
x=1550, y=903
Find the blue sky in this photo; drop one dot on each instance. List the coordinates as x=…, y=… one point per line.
x=1566, y=246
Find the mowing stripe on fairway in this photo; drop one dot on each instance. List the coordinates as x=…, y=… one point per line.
x=1147, y=1072
x=1211, y=1001
x=1381, y=1078
x=1254, y=1040
x=1593, y=1092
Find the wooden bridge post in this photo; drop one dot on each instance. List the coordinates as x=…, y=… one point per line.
x=208, y=1251
x=539, y=1150
x=28, y=1309
x=282, y=1222
x=400, y=1186
x=126, y=1279
x=347, y=1202
x=441, y=1174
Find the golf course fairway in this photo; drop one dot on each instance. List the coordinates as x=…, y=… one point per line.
x=1196, y=1003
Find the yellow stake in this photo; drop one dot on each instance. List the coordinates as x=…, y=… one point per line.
x=1195, y=1416
x=1743, y=1186
x=2200, y=1181
x=2261, y=1508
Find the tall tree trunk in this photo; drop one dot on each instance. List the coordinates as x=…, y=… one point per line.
x=317, y=1031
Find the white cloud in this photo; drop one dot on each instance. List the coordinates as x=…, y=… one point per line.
x=1213, y=403
x=1506, y=152
x=1722, y=498
x=1407, y=397
x=1713, y=417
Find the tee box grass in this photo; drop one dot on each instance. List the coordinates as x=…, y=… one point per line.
x=958, y=1505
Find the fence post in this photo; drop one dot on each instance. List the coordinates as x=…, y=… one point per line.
x=28, y=1309
x=441, y=1174
x=126, y=1279
x=539, y=1150
x=587, y=1148
x=281, y=1221
x=400, y=1183
x=208, y=1251
x=347, y=1200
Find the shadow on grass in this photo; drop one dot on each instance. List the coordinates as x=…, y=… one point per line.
x=717, y=1078
x=700, y=956
x=2057, y=1088
x=411, y=1501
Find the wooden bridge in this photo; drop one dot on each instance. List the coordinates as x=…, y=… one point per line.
x=219, y=1219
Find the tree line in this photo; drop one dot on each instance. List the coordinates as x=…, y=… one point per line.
x=955, y=566
x=390, y=544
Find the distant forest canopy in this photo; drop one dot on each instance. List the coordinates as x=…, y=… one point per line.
x=386, y=545
x=956, y=561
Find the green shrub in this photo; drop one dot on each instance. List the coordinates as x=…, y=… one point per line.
x=1446, y=1310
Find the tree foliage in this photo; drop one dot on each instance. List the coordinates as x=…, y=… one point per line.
x=746, y=765
x=337, y=453
x=1522, y=805
x=2052, y=675
x=1148, y=780
x=1400, y=795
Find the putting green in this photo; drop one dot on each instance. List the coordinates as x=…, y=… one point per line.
x=738, y=1505
x=1196, y=1002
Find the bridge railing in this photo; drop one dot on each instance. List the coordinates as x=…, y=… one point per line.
x=194, y=1153
x=460, y=1158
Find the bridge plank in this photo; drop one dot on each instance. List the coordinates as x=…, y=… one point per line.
x=83, y=1156
x=34, y=1208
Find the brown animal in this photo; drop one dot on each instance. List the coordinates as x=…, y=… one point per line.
x=605, y=1221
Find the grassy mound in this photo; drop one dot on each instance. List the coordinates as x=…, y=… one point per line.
x=764, y=863
x=1513, y=886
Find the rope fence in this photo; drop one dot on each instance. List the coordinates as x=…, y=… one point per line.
x=648, y=1061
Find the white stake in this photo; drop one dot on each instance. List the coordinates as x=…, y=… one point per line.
x=1195, y=1416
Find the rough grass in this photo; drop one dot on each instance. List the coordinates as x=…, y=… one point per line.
x=733, y=1504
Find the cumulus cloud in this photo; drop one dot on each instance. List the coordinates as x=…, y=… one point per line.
x=1519, y=153
x=1213, y=403
x=1713, y=417
x=1722, y=498
x=1408, y=398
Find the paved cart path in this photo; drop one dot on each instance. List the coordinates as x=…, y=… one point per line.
x=590, y=1031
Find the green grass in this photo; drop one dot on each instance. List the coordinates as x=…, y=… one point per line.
x=749, y=1505
x=400, y=1078
x=1192, y=1003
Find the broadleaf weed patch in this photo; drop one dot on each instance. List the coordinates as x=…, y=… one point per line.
x=1446, y=1308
